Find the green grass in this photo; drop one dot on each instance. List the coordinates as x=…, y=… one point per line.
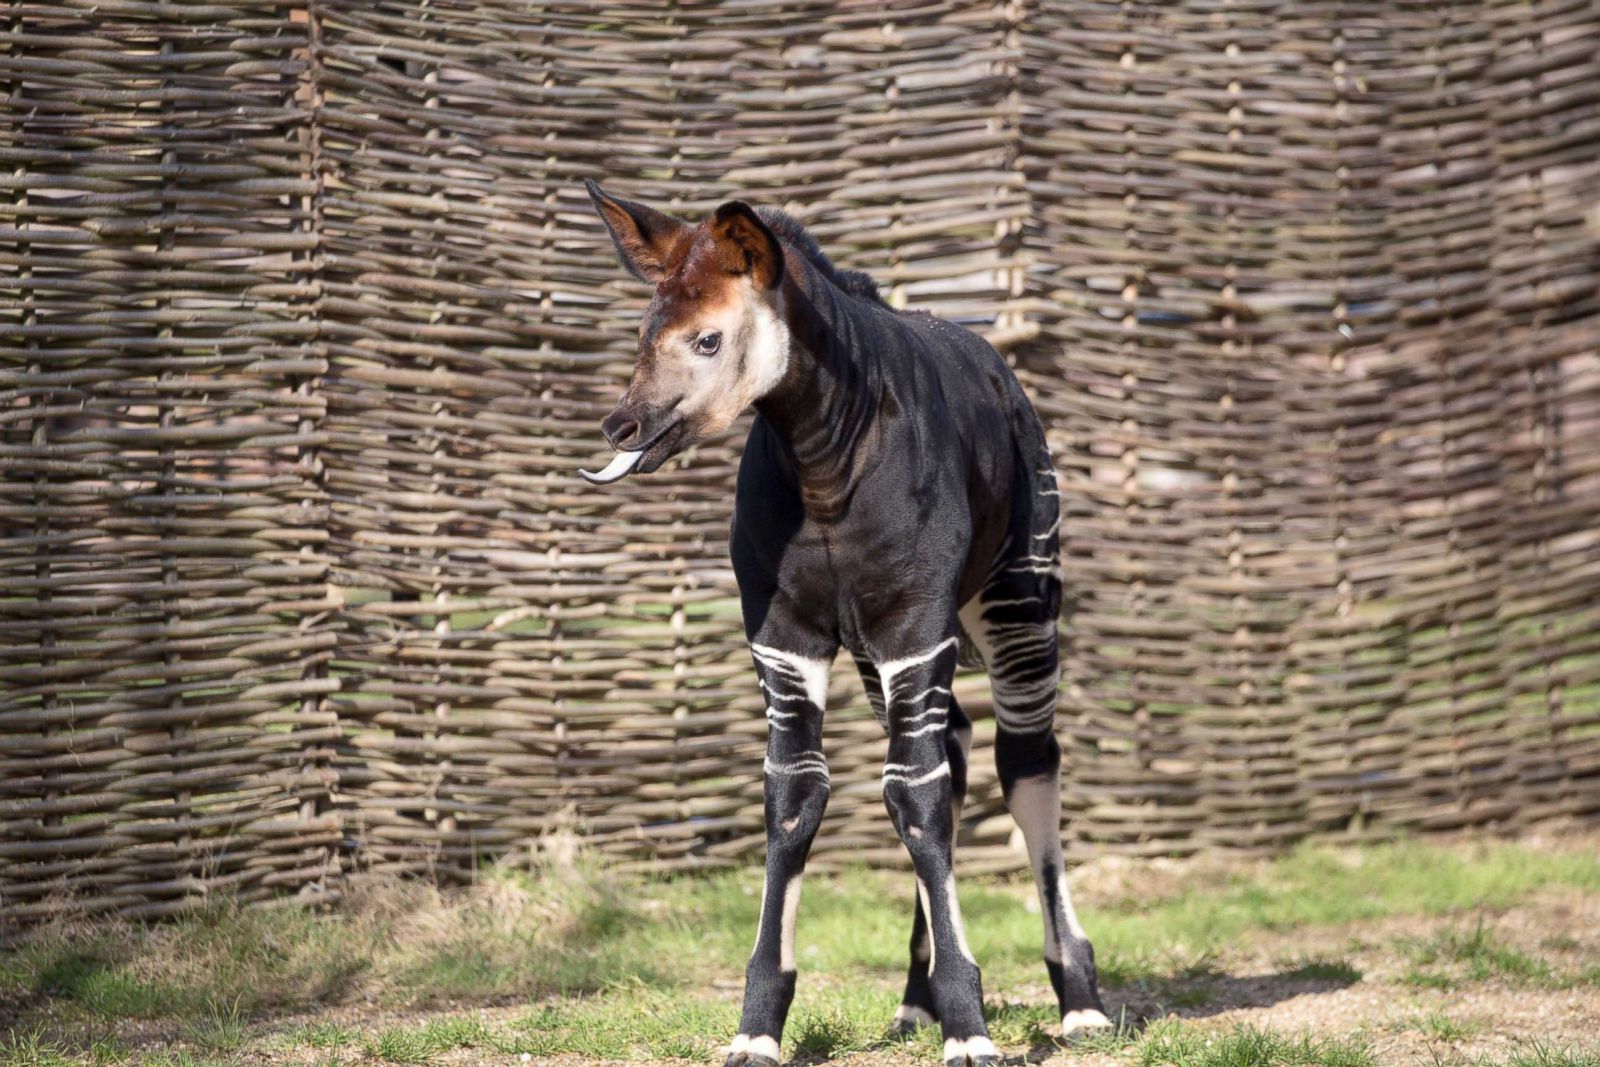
x=220, y=1028
x=320, y=1035
x=1533, y=1053
x=181, y=1058
x=515, y=935
x=620, y=969
x=1544, y=1054
x=1453, y=955
x=1174, y=1044
x=1437, y=1026
x=1318, y=886
x=32, y=1048
x=1320, y=968
x=634, y=1021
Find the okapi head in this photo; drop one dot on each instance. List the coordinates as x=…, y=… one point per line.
x=714, y=339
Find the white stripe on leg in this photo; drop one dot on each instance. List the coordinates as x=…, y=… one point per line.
x=791, y=908
x=922, y=893
x=1036, y=806
x=812, y=674
x=955, y=917
x=1074, y=927
x=890, y=668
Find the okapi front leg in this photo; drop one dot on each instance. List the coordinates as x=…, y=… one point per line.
x=917, y=790
x=795, y=776
x=916, y=1006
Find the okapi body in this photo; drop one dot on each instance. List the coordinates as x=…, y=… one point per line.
x=896, y=498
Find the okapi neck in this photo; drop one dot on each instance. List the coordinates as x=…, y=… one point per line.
x=824, y=407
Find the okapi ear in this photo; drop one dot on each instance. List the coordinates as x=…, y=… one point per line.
x=745, y=244
x=643, y=235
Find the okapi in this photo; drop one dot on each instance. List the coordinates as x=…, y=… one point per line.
x=896, y=497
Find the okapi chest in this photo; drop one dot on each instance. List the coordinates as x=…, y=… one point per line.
x=895, y=499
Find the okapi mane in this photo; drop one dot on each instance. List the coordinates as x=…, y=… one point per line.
x=857, y=283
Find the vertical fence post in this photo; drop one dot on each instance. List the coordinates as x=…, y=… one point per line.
x=318, y=712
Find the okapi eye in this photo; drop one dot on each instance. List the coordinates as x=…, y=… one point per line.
x=708, y=343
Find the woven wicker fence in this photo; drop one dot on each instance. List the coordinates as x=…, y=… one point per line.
x=307, y=324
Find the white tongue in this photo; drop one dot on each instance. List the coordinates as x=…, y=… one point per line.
x=620, y=464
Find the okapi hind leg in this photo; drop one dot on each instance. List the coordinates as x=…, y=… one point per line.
x=917, y=1008
x=1013, y=623
x=1030, y=778
x=795, y=780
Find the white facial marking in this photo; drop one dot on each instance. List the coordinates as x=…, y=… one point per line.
x=1083, y=1019
x=768, y=357
x=791, y=909
x=752, y=361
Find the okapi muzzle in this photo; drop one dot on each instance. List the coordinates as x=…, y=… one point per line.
x=644, y=436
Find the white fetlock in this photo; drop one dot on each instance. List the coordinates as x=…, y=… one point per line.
x=911, y=1015
x=959, y=1051
x=1082, y=1019
x=760, y=1045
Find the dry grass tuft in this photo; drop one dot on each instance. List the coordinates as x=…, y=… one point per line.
x=516, y=933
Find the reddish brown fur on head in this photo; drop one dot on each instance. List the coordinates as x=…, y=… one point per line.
x=714, y=338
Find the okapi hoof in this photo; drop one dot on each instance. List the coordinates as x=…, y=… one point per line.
x=973, y=1052
x=1083, y=1021
x=748, y=1059
x=747, y=1051
x=908, y=1019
